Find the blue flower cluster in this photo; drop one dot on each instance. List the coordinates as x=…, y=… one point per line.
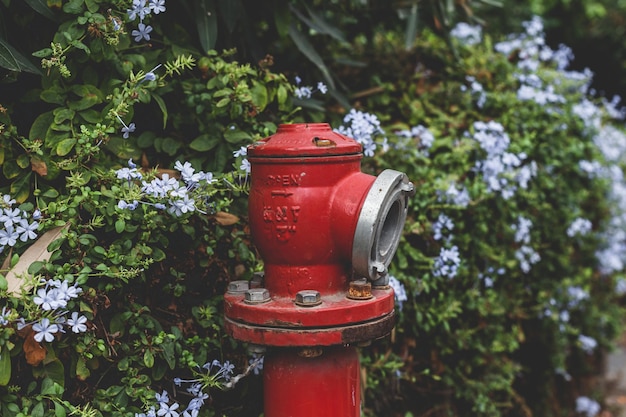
x=398, y=290
x=502, y=171
x=525, y=254
x=587, y=407
x=52, y=300
x=15, y=223
x=421, y=134
x=165, y=192
x=532, y=53
x=447, y=263
x=142, y=9
x=213, y=374
x=467, y=34
x=306, y=92
x=364, y=128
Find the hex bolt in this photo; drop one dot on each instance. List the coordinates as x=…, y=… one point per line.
x=360, y=289
x=380, y=268
x=408, y=187
x=308, y=298
x=238, y=286
x=257, y=296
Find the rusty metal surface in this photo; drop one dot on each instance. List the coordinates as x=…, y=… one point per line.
x=333, y=310
x=310, y=337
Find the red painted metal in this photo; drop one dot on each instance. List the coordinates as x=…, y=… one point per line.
x=306, y=192
x=300, y=386
x=311, y=209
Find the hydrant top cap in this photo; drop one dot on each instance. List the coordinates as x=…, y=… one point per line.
x=305, y=139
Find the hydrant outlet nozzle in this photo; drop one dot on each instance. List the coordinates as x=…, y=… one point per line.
x=380, y=224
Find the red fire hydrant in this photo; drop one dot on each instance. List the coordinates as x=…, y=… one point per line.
x=327, y=233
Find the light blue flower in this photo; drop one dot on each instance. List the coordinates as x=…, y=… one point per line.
x=181, y=206
x=163, y=397
x=243, y=151
x=443, y=223
x=168, y=410
x=142, y=32
x=466, y=33
x=139, y=9
x=77, y=323
x=447, y=263
x=127, y=130
x=587, y=344
x=157, y=6
x=4, y=316
x=399, y=291
x=579, y=226
x=26, y=230
x=44, y=330
x=245, y=166
x=303, y=92
x=587, y=406
x=7, y=200
x=8, y=236
x=10, y=217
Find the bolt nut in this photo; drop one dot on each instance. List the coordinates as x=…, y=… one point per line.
x=238, y=286
x=257, y=296
x=360, y=289
x=308, y=298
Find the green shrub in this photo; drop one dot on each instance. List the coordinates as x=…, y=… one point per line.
x=511, y=262
x=124, y=185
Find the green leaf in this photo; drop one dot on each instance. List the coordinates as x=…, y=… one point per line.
x=91, y=116
x=39, y=128
x=317, y=23
x=90, y=97
x=12, y=60
x=41, y=7
x=230, y=10
x=120, y=225
x=411, y=28
x=53, y=95
x=65, y=146
x=169, y=353
x=223, y=102
x=237, y=136
x=5, y=366
x=59, y=410
x=49, y=387
x=73, y=7
x=259, y=95
x=82, y=371
x=161, y=103
x=307, y=49
x=62, y=114
x=20, y=188
x=206, y=23
x=38, y=410
x=148, y=358
x=204, y=143
x=282, y=18
x=170, y=146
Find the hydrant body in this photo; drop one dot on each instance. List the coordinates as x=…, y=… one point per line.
x=326, y=233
